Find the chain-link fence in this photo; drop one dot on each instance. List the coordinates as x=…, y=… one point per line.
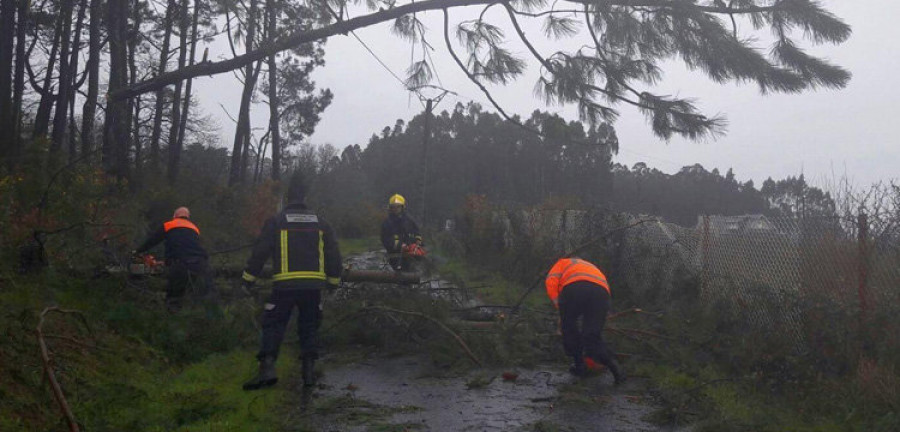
x=790, y=278
x=814, y=283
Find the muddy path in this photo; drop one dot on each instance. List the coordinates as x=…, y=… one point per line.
x=410, y=393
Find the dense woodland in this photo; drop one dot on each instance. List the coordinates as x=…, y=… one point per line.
x=60, y=60
x=570, y=165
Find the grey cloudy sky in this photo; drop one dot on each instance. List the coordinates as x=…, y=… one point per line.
x=825, y=134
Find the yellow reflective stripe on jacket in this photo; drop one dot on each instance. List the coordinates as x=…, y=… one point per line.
x=299, y=275
x=321, y=252
x=284, y=251
x=248, y=277
x=333, y=280
x=285, y=274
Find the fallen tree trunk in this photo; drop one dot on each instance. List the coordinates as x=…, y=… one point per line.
x=378, y=276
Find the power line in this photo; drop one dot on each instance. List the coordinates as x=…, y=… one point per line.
x=385, y=66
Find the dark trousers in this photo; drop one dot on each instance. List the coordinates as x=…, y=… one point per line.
x=588, y=303
x=277, y=313
x=191, y=274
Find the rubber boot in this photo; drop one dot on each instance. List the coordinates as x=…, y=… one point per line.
x=266, y=377
x=578, y=368
x=309, y=372
x=619, y=376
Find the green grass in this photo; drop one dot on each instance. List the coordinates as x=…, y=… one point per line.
x=493, y=287
x=712, y=399
x=138, y=368
x=350, y=246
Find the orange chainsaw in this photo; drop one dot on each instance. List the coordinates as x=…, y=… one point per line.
x=413, y=250
x=146, y=265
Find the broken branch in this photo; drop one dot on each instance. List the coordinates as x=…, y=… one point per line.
x=48, y=370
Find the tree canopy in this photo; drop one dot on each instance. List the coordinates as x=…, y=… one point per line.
x=621, y=48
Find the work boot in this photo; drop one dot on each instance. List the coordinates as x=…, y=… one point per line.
x=578, y=368
x=266, y=376
x=618, y=374
x=309, y=371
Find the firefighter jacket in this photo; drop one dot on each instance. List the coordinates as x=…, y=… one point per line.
x=182, y=239
x=398, y=230
x=303, y=247
x=569, y=270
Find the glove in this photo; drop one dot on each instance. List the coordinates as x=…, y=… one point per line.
x=331, y=287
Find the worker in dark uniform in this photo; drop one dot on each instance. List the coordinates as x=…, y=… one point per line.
x=580, y=291
x=305, y=260
x=397, y=232
x=187, y=262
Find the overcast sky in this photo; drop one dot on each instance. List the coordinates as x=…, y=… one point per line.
x=828, y=133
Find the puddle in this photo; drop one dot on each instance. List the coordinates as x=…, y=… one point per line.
x=414, y=397
x=409, y=393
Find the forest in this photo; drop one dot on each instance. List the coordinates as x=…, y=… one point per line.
x=785, y=322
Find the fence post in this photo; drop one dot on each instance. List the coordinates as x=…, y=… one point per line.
x=862, y=265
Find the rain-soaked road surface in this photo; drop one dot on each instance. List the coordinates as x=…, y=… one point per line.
x=411, y=396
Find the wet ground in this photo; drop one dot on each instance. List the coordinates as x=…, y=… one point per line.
x=411, y=394
x=407, y=393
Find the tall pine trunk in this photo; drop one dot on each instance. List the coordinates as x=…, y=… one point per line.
x=134, y=104
x=116, y=136
x=73, y=86
x=65, y=80
x=242, y=131
x=7, y=110
x=89, y=111
x=45, y=106
x=274, y=102
x=245, y=117
x=19, y=80
x=174, y=148
x=156, y=132
x=185, y=110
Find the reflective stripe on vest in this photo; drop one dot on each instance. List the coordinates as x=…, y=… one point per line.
x=570, y=270
x=582, y=271
x=286, y=274
x=180, y=223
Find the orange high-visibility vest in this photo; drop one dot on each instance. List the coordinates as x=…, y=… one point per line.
x=180, y=223
x=569, y=270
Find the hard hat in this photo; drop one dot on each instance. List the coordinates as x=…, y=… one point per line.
x=397, y=199
x=182, y=212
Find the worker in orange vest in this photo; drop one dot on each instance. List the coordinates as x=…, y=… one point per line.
x=186, y=260
x=580, y=291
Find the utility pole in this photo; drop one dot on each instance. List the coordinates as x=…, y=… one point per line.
x=429, y=104
x=426, y=136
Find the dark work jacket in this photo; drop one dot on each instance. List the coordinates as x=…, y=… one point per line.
x=397, y=231
x=303, y=247
x=182, y=243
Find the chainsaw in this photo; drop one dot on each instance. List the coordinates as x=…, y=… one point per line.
x=146, y=265
x=414, y=250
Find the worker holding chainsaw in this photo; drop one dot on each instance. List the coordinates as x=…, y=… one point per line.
x=580, y=291
x=186, y=260
x=400, y=235
x=306, y=259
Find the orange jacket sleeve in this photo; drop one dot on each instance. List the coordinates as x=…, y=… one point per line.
x=552, y=283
